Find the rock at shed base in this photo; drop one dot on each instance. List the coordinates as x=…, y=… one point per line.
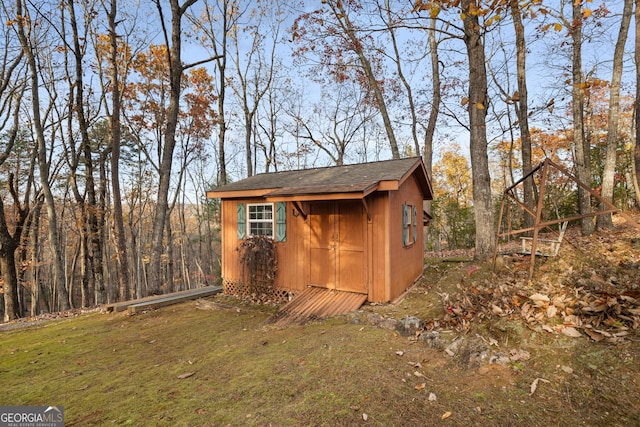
x=409, y=326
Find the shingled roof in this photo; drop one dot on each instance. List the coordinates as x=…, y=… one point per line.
x=356, y=178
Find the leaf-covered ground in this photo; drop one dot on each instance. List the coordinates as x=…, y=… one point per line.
x=561, y=349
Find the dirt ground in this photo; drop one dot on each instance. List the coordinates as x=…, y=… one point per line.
x=560, y=349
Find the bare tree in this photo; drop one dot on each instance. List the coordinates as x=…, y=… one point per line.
x=115, y=142
x=255, y=67
x=436, y=95
x=344, y=53
x=521, y=104
x=580, y=142
x=335, y=126
x=176, y=69
x=28, y=40
x=217, y=23
x=477, y=107
x=608, y=175
x=636, y=151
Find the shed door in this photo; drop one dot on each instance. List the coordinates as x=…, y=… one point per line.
x=337, y=242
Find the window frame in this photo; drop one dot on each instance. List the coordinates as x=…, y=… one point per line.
x=250, y=220
x=409, y=226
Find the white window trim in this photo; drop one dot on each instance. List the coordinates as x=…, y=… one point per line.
x=255, y=221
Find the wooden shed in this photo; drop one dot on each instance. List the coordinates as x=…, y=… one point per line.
x=355, y=228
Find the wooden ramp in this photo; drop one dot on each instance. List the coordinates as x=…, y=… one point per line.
x=315, y=304
x=156, y=301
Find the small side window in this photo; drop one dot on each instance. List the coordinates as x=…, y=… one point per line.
x=242, y=221
x=409, y=229
x=281, y=221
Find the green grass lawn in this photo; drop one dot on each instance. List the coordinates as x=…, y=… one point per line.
x=184, y=366
x=114, y=368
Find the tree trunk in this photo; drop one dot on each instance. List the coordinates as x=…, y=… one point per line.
x=43, y=165
x=118, y=221
x=100, y=290
x=608, y=174
x=436, y=95
x=35, y=244
x=436, y=99
x=222, y=128
x=478, y=103
x=636, y=151
x=10, y=286
x=581, y=144
x=8, y=246
x=221, y=65
x=175, y=78
x=522, y=110
x=90, y=225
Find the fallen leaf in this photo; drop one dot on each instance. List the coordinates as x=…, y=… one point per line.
x=571, y=332
x=420, y=386
x=365, y=416
x=534, y=385
x=419, y=374
x=539, y=300
x=432, y=397
x=519, y=355
x=446, y=415
x=187, y=375
x=567, y=369
x=399, y=352
x=596, y=336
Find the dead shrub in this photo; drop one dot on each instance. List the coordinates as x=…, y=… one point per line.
x=259, y=264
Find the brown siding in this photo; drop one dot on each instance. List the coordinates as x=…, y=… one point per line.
x=406, y=263
x=378, y=246
x=292, y=255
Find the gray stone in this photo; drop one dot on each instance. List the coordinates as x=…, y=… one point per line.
x=374, y=319
x=409, y=326
x=453, y=348
x=388, y=324
x=499, y=359
x=431, y=339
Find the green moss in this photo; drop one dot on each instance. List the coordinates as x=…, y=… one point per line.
x=125, y=370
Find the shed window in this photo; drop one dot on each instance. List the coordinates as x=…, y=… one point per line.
x=409, y=225
x=260, y=219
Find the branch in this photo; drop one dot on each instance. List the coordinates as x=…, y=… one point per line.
x=204, y=61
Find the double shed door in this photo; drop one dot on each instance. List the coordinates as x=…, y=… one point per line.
x=337, y=246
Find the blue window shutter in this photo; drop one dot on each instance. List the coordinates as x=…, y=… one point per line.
x=242, y=221
x=281, y=221
x=405, y=226
x=415, y=224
